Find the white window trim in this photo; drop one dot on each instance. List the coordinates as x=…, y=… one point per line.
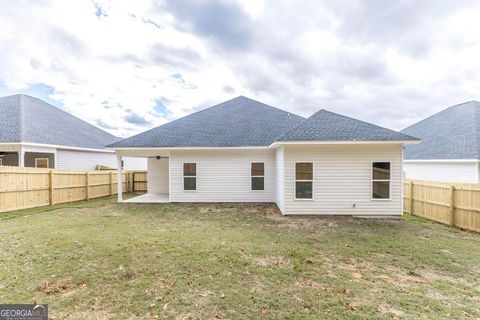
x=252, y=162
x=381, y=180
x=295, y=181
x=48, y=162
x=195, y=176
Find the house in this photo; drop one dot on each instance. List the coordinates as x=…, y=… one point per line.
x=246, y=151
x=34, y=133
x=450, y=148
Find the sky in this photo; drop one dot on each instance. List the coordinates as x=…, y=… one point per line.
x=127, y=66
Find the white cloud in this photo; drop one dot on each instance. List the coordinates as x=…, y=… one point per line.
x=115, y=62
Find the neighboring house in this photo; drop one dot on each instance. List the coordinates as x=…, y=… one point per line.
x=450, y=148
x=246, y=151
x=34, y=133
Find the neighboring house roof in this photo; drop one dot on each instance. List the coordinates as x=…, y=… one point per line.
x=27, y=119
x=453, y=133
x=246, y=122
x=237, y=122
x=329, y=126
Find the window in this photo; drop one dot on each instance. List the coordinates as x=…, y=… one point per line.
x=1, y=161
x=257, y=173
x=381, y=180
x=303, y=180
x=189, y=176
x=41, y=162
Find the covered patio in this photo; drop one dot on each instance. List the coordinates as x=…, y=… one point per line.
x=158, y=165
x=27, y=155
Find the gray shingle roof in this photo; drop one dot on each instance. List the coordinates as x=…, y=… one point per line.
x=237, y=122
x=246, y=122
x=453, y=133
x=329, y=126
x=27, y=119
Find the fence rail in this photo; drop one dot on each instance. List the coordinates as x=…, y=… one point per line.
x=454, y=204
x=22, y=188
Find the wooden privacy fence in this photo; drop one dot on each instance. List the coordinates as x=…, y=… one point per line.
x=138, y=180
x=22, y=188
x=454, y=204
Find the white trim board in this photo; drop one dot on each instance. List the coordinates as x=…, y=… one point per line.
x=186, y=148
x=440, y=160
x=28, y=144
x=279, y=143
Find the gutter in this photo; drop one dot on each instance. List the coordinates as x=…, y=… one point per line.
x=28, y=144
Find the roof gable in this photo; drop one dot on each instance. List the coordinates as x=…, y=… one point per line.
x=329, y=126
x=27, y=119
x=453, y=133
x=237, y=122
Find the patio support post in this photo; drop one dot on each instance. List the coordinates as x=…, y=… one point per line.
x=119, y=179
x=21, y=158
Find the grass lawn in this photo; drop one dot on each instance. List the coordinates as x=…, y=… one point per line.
x=184, y=261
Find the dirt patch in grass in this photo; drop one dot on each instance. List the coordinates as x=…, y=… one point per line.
x=403, y=277
x=387, y=309
x=64, y=286
x=431, y=275
x=273, y=261
x=86, y=315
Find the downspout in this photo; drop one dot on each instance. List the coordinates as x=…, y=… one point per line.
x=478, y=171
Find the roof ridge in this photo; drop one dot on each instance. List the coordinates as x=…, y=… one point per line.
x=175, y=120
x=440, y=112
x=369, y=123
x=68, y=114
x=293, y=129
x=267, y=105
x=342, y=116
x=210, y=108
x=21, y=98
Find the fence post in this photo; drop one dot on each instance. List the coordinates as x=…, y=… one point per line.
x=130, y=181
x=410, y=198
x=50, y=178
x=452, y=205
x=87, y=185
x=111, y=183
x=133, y=181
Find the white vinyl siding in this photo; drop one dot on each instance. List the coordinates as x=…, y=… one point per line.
x=342, y=179
x=84, y=160
x=454, y=171
x=134, y=163
x=88, y=160
x=157, y=175
x=280, y=167
x=222, y=175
